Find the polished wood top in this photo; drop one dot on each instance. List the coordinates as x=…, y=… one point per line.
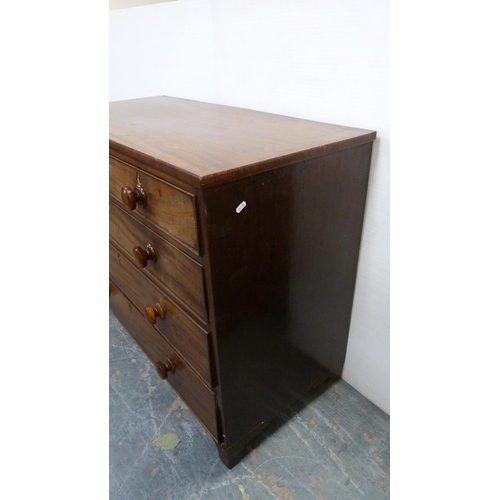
x=210, y=144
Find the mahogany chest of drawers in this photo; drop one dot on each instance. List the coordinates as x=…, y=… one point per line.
x=234, y=242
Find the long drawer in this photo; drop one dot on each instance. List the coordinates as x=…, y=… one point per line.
x=186, y=383
x=177, y=327
x=169, y=208
x=173, y=269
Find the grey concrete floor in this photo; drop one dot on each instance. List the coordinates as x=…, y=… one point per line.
x=334, y=444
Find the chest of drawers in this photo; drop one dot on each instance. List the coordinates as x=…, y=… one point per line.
x=234, y=241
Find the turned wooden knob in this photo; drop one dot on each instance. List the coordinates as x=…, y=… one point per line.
x=133, y=197
x=164, y=367
x=142, y=256
x=154, y=312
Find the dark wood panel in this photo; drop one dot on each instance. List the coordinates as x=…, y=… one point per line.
x=169, y=208
x=206, y=144
x=282, y=277
x=190, y=388
x=178, y=328
x=173, y=270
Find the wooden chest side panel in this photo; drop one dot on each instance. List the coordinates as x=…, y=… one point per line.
x=282, y=272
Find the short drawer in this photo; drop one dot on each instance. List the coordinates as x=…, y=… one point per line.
x=186, y=383
x=175, y=271
x=167, y=207
x=177, y=327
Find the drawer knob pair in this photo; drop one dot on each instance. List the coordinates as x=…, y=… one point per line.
x=154, y=312
x=133, y=197
x=142, y=256
x=164, y=367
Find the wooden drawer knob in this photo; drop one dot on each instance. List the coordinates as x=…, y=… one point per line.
x=154, y=312
x=164, y=367
x=133, y=197
x=142, y=256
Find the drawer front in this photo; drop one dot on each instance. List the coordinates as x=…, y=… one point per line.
x=174, y=270
x=167, y=207
x=180, y=330
x=187, y=384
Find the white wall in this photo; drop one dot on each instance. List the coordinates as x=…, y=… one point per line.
x=125, y=4
x=325, y=60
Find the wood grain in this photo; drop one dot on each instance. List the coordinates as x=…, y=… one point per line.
x=282, y=277
x=170, y=209
x=205, y=144
x=173, y=270
x=178, y=328
x=190, y=388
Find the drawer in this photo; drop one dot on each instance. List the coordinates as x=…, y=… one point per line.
x=174, y=270
x=186, y=383
x=178, y=328
x=167, y=207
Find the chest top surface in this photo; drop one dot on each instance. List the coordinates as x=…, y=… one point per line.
x=207, y=144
